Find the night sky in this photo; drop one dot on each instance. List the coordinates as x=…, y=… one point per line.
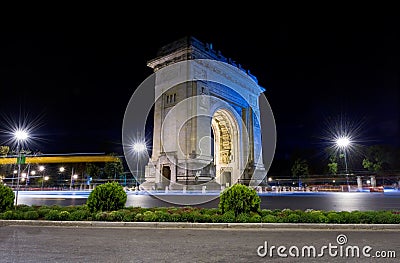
x=78, y=82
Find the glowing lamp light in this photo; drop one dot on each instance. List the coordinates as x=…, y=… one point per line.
x=21, y=135
x=139, y=147
x=343, y=142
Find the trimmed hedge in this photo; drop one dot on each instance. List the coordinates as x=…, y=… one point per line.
x=238, y=203
x=200, y=215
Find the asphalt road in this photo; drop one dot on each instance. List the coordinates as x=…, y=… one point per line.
x=24, y=243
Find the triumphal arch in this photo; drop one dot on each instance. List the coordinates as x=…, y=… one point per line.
x=206, y=130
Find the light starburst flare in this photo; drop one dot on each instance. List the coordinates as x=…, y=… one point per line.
x=346, y=136
x=19, y=133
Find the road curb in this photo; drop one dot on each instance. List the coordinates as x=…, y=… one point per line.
x=260, y=226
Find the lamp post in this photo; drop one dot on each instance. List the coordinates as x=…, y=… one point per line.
x=32, y=173
x=138, y=148
x=343, y=143
x=61, y=174
x=20, y=136
x=41, y=169
x=15, y=172
x=73, y=177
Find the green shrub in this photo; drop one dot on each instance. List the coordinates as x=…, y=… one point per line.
x=64, y=215
x=243, y=218
x=396, y=217
x=110, y=196
x=385, y=217
x=57, y=215
x=228, y=217
x=31, y=215
x=216, y=218
x=175, y=217
x=7, y=197
x=211, y=211
x=126, y=215
x=79, y=215
x=239, y=199
x=139, y=217
x=292, y=218
x=345, y=217
x=206, y=218
x=162, y=216
x=314, y=216
x=101, y=216
x=24, y=208
x=110, y=216
x=150, y=216
x=269, y=219
x=191, y=216
x=265, y=212
x=12, y=215
x=334, y=218
x=43, y=211
x=116, y=215
x=255, y=218
x=366, y=217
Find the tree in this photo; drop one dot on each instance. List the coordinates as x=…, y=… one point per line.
x=332, y=165
x=378, y=158
x=114, y=169
x=93, y=170
x=300, y=169
x=4, y=150
x=372, y=166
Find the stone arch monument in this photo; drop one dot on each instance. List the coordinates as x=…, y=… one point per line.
x=207, y=130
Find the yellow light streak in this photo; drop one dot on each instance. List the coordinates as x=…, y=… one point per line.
x=61, y=159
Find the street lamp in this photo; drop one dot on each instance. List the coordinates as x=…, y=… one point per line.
x=20, y=136
x=343, y=143
x=138, y=148
x=73, y=177
x=41, y=169
x=15, y=172
x=62, y=169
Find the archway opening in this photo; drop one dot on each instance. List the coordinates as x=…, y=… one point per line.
x=225, y=147
x=166, y=173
